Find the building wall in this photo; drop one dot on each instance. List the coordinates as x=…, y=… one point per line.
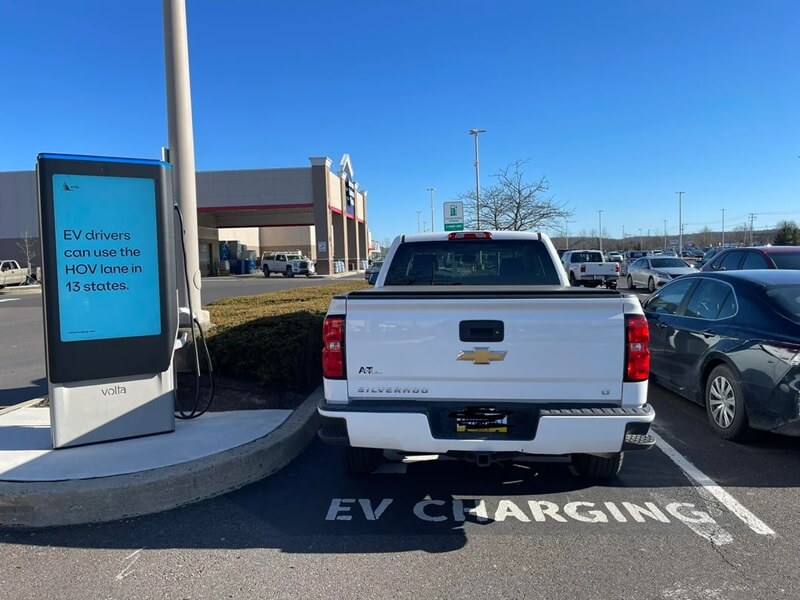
x=256, y=187
x=18, y=216
x=249, y=236
x=288, y=238
x=266, y=209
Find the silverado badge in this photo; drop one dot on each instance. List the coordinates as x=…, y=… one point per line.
x=481, y=356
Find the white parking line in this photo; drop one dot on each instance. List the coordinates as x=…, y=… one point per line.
x=704, y=481
x=8, y=299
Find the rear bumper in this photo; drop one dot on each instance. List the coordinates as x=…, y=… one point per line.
x=556, y=431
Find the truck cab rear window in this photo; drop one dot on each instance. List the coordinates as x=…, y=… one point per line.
x=472, y=262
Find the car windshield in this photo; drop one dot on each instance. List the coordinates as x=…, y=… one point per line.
x=786, y=260
x=668, y=263
x=582, y=257
x=294, y=257
x=484, y=262
x=787, y=298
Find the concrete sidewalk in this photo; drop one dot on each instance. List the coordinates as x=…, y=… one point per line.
x=204, y=457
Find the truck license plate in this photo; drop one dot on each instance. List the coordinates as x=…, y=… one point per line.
x=481, y=422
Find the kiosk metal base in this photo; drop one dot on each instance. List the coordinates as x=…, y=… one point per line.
x=87, y=412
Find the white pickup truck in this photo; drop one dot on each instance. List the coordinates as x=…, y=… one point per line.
x=590, y=268
x=287, y=263
x=474, y=345
x=11, y=273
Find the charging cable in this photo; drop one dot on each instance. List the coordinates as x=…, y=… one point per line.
x=196, y=411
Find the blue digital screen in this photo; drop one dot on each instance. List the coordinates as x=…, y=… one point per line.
x=107, y=257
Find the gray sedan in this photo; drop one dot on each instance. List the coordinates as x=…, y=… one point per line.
x=655, y=271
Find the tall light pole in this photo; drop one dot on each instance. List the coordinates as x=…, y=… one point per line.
x=641, y=243
x=680, y=222
x=181, y=144
x=753, y=217
x=476, y=133
x=566, y=233
x=600, y=228
x=424, y=226
x=665, y=234
x=419, y=212
x=723, y=227
x=623, y=238
x=433, y=220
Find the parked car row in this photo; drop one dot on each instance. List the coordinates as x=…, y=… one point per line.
x=655, y=271
x=730, y=341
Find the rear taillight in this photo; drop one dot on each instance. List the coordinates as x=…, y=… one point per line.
x=583, y=268
x=788, y=353
x=470, y=235
x=333, y=348
x=637, y=353
x=617, y=265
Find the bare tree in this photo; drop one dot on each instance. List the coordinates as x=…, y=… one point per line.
x=27, y=248
x=514, y=204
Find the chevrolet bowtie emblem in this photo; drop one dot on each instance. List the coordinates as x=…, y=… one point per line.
x=481, y=356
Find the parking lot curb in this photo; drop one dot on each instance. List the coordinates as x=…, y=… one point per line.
x=76, y=502
x=21, y=290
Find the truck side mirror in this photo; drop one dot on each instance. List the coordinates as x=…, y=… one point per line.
x=373, y=277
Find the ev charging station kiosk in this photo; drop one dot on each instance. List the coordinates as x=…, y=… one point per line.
x=109, y=296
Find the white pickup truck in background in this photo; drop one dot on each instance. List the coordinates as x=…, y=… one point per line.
x=590, y=268
x=11, y=273
x=287, y=264
x=473, y=345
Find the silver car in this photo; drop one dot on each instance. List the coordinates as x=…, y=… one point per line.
x=655, y=271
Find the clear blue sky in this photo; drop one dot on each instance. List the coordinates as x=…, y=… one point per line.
x=619, y=104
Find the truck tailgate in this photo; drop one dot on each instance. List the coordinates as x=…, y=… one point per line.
x=556, y=348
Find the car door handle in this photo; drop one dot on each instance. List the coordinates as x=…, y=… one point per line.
x=707, y=333
x=661, y=325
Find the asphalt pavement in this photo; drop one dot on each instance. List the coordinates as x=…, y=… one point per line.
x=22, y=364
x=696, y=517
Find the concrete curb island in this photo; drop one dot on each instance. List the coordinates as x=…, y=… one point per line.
x=20, y=290
x=77, y=502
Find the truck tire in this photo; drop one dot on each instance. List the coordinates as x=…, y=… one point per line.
x=289, y=272
x=572, y=280
x=361, y=461
x=597, y=467
x=266, y=272
x=630, y=283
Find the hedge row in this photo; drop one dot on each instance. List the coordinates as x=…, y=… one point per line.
x=274, y=339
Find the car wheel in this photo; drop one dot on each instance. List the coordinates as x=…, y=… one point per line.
x=630, y=283
x=308, y=275
x=266, y=271
x=289, y=272
x=651, y=285
x=361, y=461
x=725, y=405
x=597, y=467
x=572, y=281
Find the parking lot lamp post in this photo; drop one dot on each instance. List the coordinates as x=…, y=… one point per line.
x=600, y=228
x=680, y=222
x=433, y=221
x=476, y=133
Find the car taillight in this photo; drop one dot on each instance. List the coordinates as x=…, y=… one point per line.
x=637, y=353
x=583, y=268
x=333, y=348
x=617, y=265
x=469, y=235
x=788, y=353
